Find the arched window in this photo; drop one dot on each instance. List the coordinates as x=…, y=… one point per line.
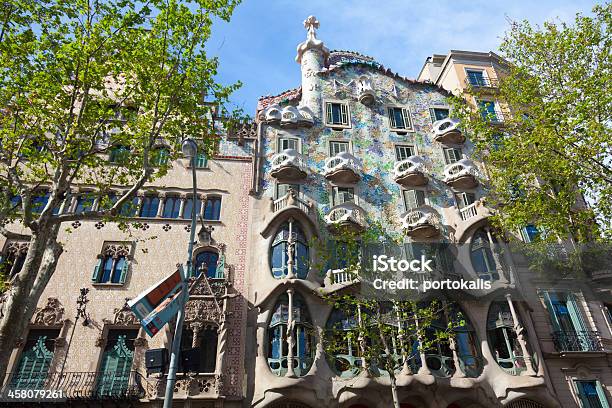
x=150, y=205
x=503, y=339
x=302, y=335
x=344, y=351
x=13, y=257
x=439, y=357
x=210, y=260
x=482, y=256
x=289, y=248
x=172, y=207
x=119, y=154
x=212, y=209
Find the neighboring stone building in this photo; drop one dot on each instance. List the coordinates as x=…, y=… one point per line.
x=105, y=362
x=356, y=144
x=572, y=318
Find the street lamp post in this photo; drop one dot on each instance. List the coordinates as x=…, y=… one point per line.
x=190, y=150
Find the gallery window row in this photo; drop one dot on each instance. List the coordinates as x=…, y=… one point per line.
x=147, y=205
x=292, y=341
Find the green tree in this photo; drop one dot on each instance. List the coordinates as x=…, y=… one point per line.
x=82, y=81
x=389, y=333
x=553, y=146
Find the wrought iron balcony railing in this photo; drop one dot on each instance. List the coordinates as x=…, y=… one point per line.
x=81, y=385
x=482, y=82
x=577, y=341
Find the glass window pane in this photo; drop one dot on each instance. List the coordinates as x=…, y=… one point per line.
x=116, y=278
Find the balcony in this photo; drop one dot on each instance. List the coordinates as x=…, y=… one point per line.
x=339, y=278
x=461, y=174
x=410, y=172
x=288, y=116
x=288, y=165
x=365, y=92
x=342, y=168
x=577, y=341
x=447, y=131
x=347, y=215
x=82, y=385
x=290, y=205
x=481, y=82
x=423, y=222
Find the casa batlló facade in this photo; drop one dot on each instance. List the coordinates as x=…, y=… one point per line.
x=354, y=145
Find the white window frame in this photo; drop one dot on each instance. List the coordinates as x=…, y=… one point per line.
x=413, y=147
x=431, y=112
x=445, y=149
x=498, y=112
x=407, y=114
x=347, y=142
x=464, y=193
x=425, y=200
x=485, y=75
x=332, y=194
x=346, y=125
x=280, y=138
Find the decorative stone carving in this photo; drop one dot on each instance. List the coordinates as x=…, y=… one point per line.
x=205, y=234
x=202, y=310
x=124, y=316
x=199, y=287
x=365, y=91
x=17, y=248
x=140, y=342
x=100, y=341
x=50, y=315
x=116, y=250
x=289, y=116
x=311, y=24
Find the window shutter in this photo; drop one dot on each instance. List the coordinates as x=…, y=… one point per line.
x=124, y=271
x=344, y=114
x=432, y=115
x=96, y=273
x=602, y=396
x=406, y=114
x=328, y=108
x=551, y=310
x=221, y=267
x=574, y=309
x=420, y=197
x=391, y=117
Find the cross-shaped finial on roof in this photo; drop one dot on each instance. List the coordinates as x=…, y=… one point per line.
x=311, y=24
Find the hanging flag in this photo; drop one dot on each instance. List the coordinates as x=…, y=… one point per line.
x=157, y=305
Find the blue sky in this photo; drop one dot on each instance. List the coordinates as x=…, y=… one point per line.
x=258, y=45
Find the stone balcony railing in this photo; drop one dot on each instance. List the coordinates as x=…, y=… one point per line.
x=343, y=168
x=422, y=222
x=340, y=277
x=292, y=199
x=410, y=172
x=347, y=215
x=187, y=386
x=288, y=165
x=462, y=174
x=447, y=131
